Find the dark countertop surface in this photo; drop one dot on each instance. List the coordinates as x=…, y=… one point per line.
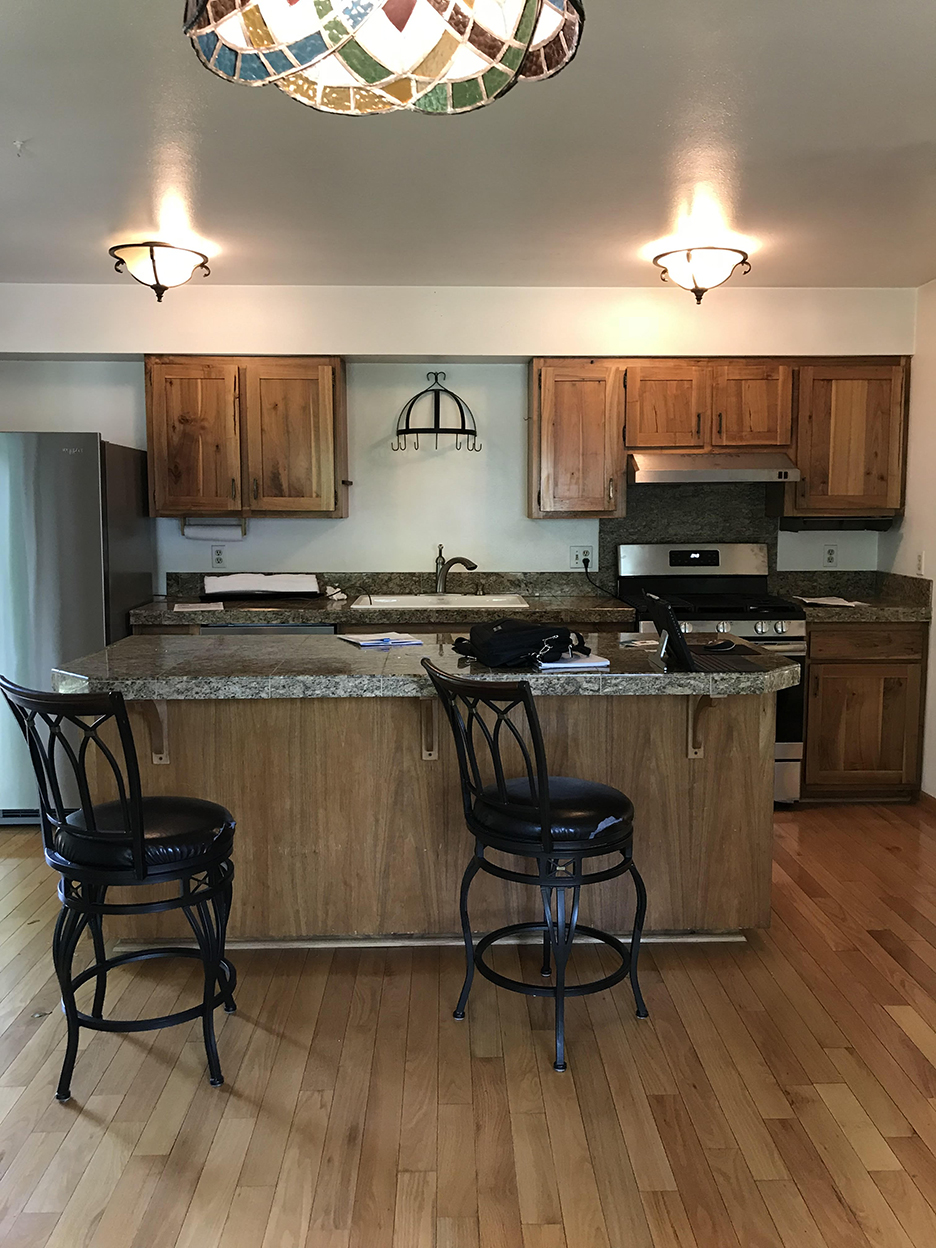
x=220, y=667
x=583, y=609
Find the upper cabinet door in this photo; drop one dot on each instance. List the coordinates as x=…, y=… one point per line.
x=752, y=403
x=668, y=403
x=579, y=468
x=850, y=439
x=194, y=437
x=291, y=464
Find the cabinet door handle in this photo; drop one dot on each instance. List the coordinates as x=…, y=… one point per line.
x=719, y=422
x=698, y=423
x=815, y=685
x=233, y=488
x=256, y=488
x=611, y=490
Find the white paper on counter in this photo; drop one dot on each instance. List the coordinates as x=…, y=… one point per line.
x=198, y=606
x=831, y=602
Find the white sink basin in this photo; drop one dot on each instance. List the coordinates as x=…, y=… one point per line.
x=445, y=602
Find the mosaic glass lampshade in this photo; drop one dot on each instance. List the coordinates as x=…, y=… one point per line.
x=377, y=56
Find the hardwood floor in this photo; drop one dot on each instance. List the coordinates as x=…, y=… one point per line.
x=782, y=1094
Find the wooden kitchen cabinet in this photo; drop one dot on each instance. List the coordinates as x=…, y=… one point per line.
x=577, y=456
x=752, y=404
x=668, y=404
x=864, y=709
x=193, y=434
x=250, y=436
x=850, y=440
x=290, y=460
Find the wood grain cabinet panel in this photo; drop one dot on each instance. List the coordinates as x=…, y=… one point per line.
x=255, y=436
x=194, y=437
x=752, y=404
x=668, y=403
x=867, y=641
x=863, y=726
x=290, y=436
x=577, y=460
x=850, y=439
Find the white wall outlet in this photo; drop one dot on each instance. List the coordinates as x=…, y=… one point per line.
x=577, y=554
x=217, y=556
x=830, y=556
x=921, y=563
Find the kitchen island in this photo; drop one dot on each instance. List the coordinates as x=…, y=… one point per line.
x=341, y=773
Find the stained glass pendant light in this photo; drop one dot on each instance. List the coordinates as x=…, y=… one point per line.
x=360, y=57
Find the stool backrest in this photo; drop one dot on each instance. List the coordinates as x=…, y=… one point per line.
x=60, y=730
x=480, y=740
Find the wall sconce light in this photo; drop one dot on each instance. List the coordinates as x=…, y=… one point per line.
x=701, y=268
x=158, y=265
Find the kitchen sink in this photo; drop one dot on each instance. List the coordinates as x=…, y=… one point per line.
x=445, y=602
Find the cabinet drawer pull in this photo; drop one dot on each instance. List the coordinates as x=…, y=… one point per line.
x=698, y=423
x=233, y=488
x=256, y=488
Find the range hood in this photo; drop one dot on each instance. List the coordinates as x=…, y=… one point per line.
x=715, y=466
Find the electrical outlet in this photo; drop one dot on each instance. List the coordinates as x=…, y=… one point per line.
x=830, y=556
x=921, y=563
x=577, y=554
x=217, y=556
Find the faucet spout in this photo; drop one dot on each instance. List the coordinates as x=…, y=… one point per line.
x=444, y=566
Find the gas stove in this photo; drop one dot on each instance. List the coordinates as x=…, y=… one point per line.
x=713, y=589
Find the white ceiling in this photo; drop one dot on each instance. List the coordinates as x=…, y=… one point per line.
x=815, y=121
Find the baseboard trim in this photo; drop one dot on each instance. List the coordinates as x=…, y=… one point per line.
x=927, y=802
x=422, y=942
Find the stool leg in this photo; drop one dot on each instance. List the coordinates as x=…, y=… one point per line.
x=207, y=943
x=474, y=866
x=95, y=922
x=642, y=1011
x=546, y=969
x=222, y=910
x=68, y=929
x=563, y=936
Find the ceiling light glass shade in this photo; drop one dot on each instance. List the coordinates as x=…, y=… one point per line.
x=701, y=268
x=158, y=265
x=377, y=56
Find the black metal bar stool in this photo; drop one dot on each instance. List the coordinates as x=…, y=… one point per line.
x=132, y=840
x=556, y=820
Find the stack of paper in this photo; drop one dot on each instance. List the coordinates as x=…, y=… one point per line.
x=575, y=663
x=830, y=602
x=380, y=640
x=262, y=583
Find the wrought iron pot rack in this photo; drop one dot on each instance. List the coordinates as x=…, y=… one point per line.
x=466, y=428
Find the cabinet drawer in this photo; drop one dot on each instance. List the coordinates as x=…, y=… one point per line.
x=866, y=641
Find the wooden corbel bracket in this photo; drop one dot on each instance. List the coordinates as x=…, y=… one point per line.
x=156, y=718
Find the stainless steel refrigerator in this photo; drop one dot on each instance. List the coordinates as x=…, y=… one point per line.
x=77, y=551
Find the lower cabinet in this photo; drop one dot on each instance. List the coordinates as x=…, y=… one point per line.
x=864, y=711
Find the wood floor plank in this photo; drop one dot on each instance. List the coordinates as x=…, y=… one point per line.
x=457, y=1233
x=864, y=1137
x=876, y=1103
x=904, y=1197
x=419, y=1122
x=749, y=1215
x=291, y=1210
x=795, y=1224
x=498, y=1201
x=372, y=1219
x=414, y=1219
x=454, y=1037
x=667, y=1220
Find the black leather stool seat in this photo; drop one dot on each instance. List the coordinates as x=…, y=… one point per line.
x=582, y=810
x=176, y=831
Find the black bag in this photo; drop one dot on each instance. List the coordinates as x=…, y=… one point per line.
x=517, y=643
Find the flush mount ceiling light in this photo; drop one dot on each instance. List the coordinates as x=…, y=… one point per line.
x=359, y=57
x=701, y=268
x=158, y=265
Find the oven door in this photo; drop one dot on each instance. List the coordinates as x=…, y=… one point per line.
x=791, y=721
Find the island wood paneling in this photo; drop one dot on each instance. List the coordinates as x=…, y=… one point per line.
x=344, y=830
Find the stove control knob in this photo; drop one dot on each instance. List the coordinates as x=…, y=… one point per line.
x=722, y=627
x=686, y=625
x=760, y=627
x=780, y=626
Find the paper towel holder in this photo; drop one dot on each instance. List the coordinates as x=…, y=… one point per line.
x=240, y=521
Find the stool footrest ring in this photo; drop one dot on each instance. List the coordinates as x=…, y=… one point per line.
x=544, y=990
x=227, y=974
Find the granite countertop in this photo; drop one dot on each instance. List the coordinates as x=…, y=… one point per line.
x=218, y=667
x=584, y=609
x=871, y=611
